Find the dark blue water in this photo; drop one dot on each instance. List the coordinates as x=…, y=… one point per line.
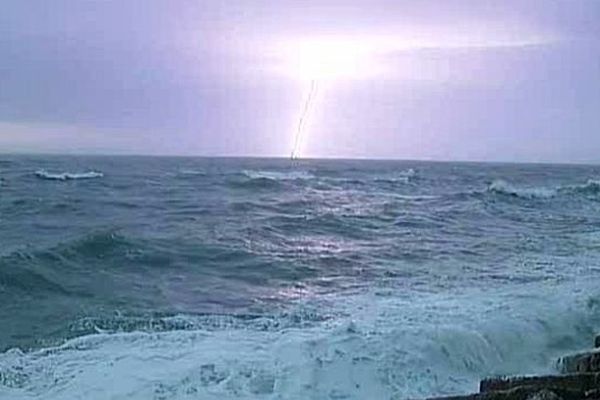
x=177, y=278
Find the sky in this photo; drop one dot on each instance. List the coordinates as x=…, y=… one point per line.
x=442, y=80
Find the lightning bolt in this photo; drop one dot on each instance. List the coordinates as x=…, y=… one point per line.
x=314, y=86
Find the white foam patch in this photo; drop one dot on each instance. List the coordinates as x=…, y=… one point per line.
x=378, y=346
x=64, y=176
x=278, y=175
x=191, y=172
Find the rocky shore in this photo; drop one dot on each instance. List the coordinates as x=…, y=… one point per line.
x=577, y=378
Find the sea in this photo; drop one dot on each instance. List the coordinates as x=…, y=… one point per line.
x=244, y=278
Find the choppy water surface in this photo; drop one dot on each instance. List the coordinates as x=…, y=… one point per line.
x=182, y=278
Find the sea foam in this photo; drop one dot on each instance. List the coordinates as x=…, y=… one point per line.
x=373, y=346
x=64, y=176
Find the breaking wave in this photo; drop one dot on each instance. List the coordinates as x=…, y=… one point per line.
x=278, y=175
x=261, y=179
x=371, y=346
x=501, y=187
x=505, y=188
x=65, y=176
x=351, y=285
x=191, y=172
x=405, y=176
x=302, y=318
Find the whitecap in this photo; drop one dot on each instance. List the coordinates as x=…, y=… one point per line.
x=278, y=175
x=191, y=172
x=505, y=188
x=416, y=197
x=405, y=176
x=64, y=176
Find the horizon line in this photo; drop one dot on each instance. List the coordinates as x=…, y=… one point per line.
x=299, y=159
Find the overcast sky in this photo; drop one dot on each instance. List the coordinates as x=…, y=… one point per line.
x=453, y=80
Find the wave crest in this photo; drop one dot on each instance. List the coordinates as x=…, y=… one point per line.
x=64, y=176
x=504, y=188
x=278, y=175
x=591, y=187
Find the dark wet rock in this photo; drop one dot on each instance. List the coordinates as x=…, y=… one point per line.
x=521, y=393
x=581, y=362
x=582, y=382
x=544, y=394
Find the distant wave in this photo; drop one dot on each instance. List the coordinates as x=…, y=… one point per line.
x=416, y=197
x=405, y=176
x=191, y=172
x=590, y=188
x=409, y=173
x=65, y=176
x=278, y=175
x=505, y=188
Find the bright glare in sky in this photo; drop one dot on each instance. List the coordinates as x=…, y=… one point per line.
x=326, y=59
x=345, y=57
x=330, y=58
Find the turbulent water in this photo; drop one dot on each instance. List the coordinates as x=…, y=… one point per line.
x=184, y=278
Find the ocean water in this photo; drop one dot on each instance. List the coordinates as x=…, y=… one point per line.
x=198, y=278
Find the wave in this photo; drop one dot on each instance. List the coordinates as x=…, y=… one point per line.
x=278, y=175
x=191, y=172
x=64, y=176
x=501, y=187
x=265, y=176
x=504, y=188
x=416, y=197
x=371, y=345
x=253, y=179
x=17, y=273
x=591, y=187
x=36, y=270
x=208, y=321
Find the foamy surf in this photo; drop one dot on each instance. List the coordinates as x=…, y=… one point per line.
x=373, y=346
